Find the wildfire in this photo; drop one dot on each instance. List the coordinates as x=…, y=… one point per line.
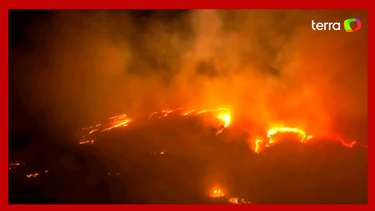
x=222, y=115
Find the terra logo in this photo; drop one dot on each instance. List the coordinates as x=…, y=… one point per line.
x=350, y=25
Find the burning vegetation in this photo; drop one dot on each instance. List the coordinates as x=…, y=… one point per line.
x=223, y=119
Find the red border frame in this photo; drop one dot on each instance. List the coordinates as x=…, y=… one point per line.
x=5, y=5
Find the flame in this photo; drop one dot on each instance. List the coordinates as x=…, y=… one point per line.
x=277, y=130
x=162, y=114
x=222, y=114
x=225, y=117
x=258, y=145
x=216, y=192
x=237, y=200
x=117, y=121
x=234, y=200
x=121, y=120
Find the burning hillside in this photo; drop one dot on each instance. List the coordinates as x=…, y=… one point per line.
x=198, y=156
x=220, y=118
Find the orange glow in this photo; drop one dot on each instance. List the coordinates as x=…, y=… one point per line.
x=349, y=145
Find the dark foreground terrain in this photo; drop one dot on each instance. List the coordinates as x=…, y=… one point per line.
x=180, y=161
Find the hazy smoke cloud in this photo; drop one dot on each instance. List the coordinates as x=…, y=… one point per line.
x=74, y=67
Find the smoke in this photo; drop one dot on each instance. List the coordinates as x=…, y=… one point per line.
x=76, y=67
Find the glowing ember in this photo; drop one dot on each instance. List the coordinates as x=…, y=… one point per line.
x=32, y=175
x=87, y=142
x=14, y=165
x=162, y=114
x=186, y=113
